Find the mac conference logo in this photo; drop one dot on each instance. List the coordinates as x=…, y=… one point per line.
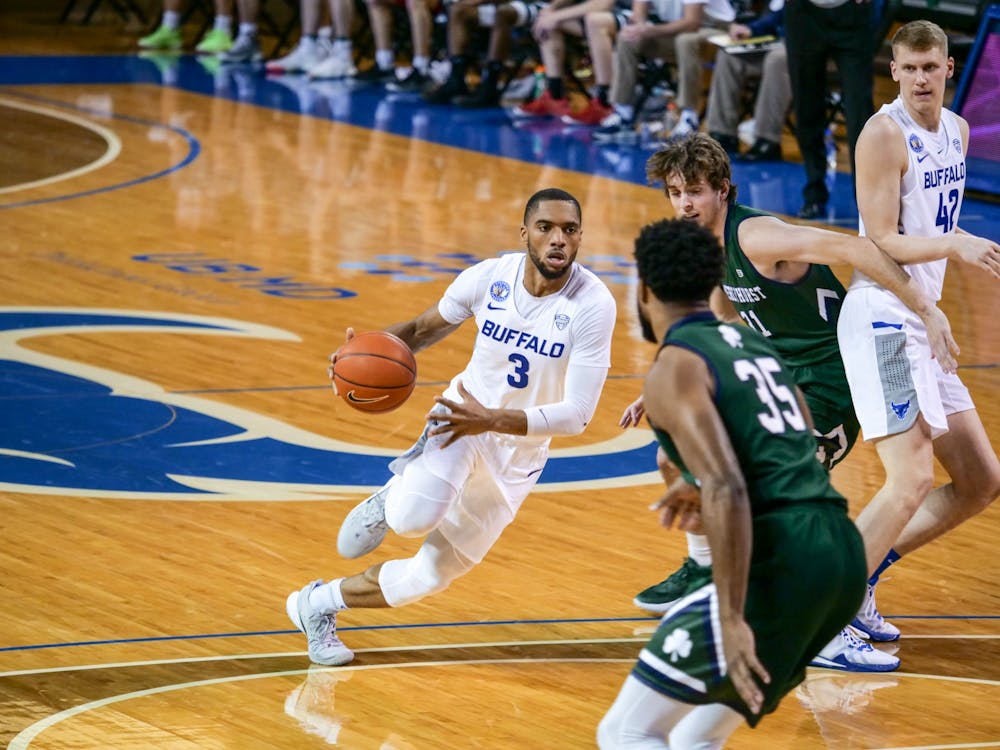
x=72, y=428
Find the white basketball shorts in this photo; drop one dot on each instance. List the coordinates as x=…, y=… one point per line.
x=889, y=367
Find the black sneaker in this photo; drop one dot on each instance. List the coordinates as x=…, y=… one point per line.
x=447, y=92
x=375, y=74
x=412, y=83
x=730, y=143
x=658, y=598
x=482, y=98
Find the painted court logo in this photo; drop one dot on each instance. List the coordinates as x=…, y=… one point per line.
x=70, y=428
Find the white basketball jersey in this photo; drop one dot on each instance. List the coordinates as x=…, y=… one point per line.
x=932, y=187
x=520, y=355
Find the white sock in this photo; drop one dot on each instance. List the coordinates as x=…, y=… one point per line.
x=627, y=111
x=171, y=19
x=223, y=23
x=421, y=63
x=307, y=44
x=690, y=115
x=248, y=29
x=342, y=47
x=698, y=549
x=327, y=597
x=325, y=32
x=385, y=59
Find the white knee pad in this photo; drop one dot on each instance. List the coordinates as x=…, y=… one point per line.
x=419, y=502
x=431, y=570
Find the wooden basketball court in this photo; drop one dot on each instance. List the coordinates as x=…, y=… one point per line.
x=176, y=268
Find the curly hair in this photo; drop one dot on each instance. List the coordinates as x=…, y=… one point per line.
x=550, y=194
x=696, y=156
x=679, y=260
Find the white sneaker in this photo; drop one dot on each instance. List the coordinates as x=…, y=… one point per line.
x=686, y=125
x=364, y=528
x=871, y=624
x=335, y=66
x=304, y=57
x=320, y=629
x=851, y=654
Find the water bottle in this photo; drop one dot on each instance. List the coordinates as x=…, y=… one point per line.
x=539, y=82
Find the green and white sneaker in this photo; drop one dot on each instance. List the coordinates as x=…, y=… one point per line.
x=162, y=38
x=214, y=42
x=657, y=599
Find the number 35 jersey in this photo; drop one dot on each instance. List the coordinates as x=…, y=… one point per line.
x=525, y=343
x=799, y=318
x=755, y=398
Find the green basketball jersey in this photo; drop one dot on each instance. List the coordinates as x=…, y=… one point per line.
x=755, y=397
x=800, y=318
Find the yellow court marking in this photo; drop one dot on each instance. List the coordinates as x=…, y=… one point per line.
x=112, y=152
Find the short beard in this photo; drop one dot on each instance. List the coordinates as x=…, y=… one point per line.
x=547, y=274
x=645, y=326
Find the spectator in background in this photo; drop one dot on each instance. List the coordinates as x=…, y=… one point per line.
x=315, y=42
x=555, y=22
x=463, y=18
x=676, y=38
x=168, y=37
x=816, y=32
x=774, y=92
x=384, y=70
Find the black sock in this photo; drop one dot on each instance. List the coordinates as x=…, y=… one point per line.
x=555, y=87
x=602, y=95
x=491, y=75
x=459, y=67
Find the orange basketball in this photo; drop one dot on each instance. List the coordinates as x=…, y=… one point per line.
x=375, y=372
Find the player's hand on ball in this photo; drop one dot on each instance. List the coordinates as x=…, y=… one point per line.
x=333, y=359
x=465, y=417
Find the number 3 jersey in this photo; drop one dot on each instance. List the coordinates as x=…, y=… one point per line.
x=799, y=318
x=931, y=190
x=755, y=397
x=525, y=343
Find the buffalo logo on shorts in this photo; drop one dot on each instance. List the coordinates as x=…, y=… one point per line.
x=561, y=321
x=500, y=290
x=900, y=409
x=916, y=144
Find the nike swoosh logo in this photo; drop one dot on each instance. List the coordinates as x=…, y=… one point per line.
x=358, y=400
x=491, y=306
x=921, y=158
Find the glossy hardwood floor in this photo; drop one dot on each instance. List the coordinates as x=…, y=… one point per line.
x=173, y=278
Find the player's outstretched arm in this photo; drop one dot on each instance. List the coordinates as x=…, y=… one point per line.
x=766, y=239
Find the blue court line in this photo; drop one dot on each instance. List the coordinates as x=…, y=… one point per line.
x=194, y=149
x=153, y=639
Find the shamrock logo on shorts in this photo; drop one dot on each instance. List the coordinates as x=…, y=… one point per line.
x=678, y=645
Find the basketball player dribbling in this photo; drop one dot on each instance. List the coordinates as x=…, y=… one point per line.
x=540, y=359
x=911, y=181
